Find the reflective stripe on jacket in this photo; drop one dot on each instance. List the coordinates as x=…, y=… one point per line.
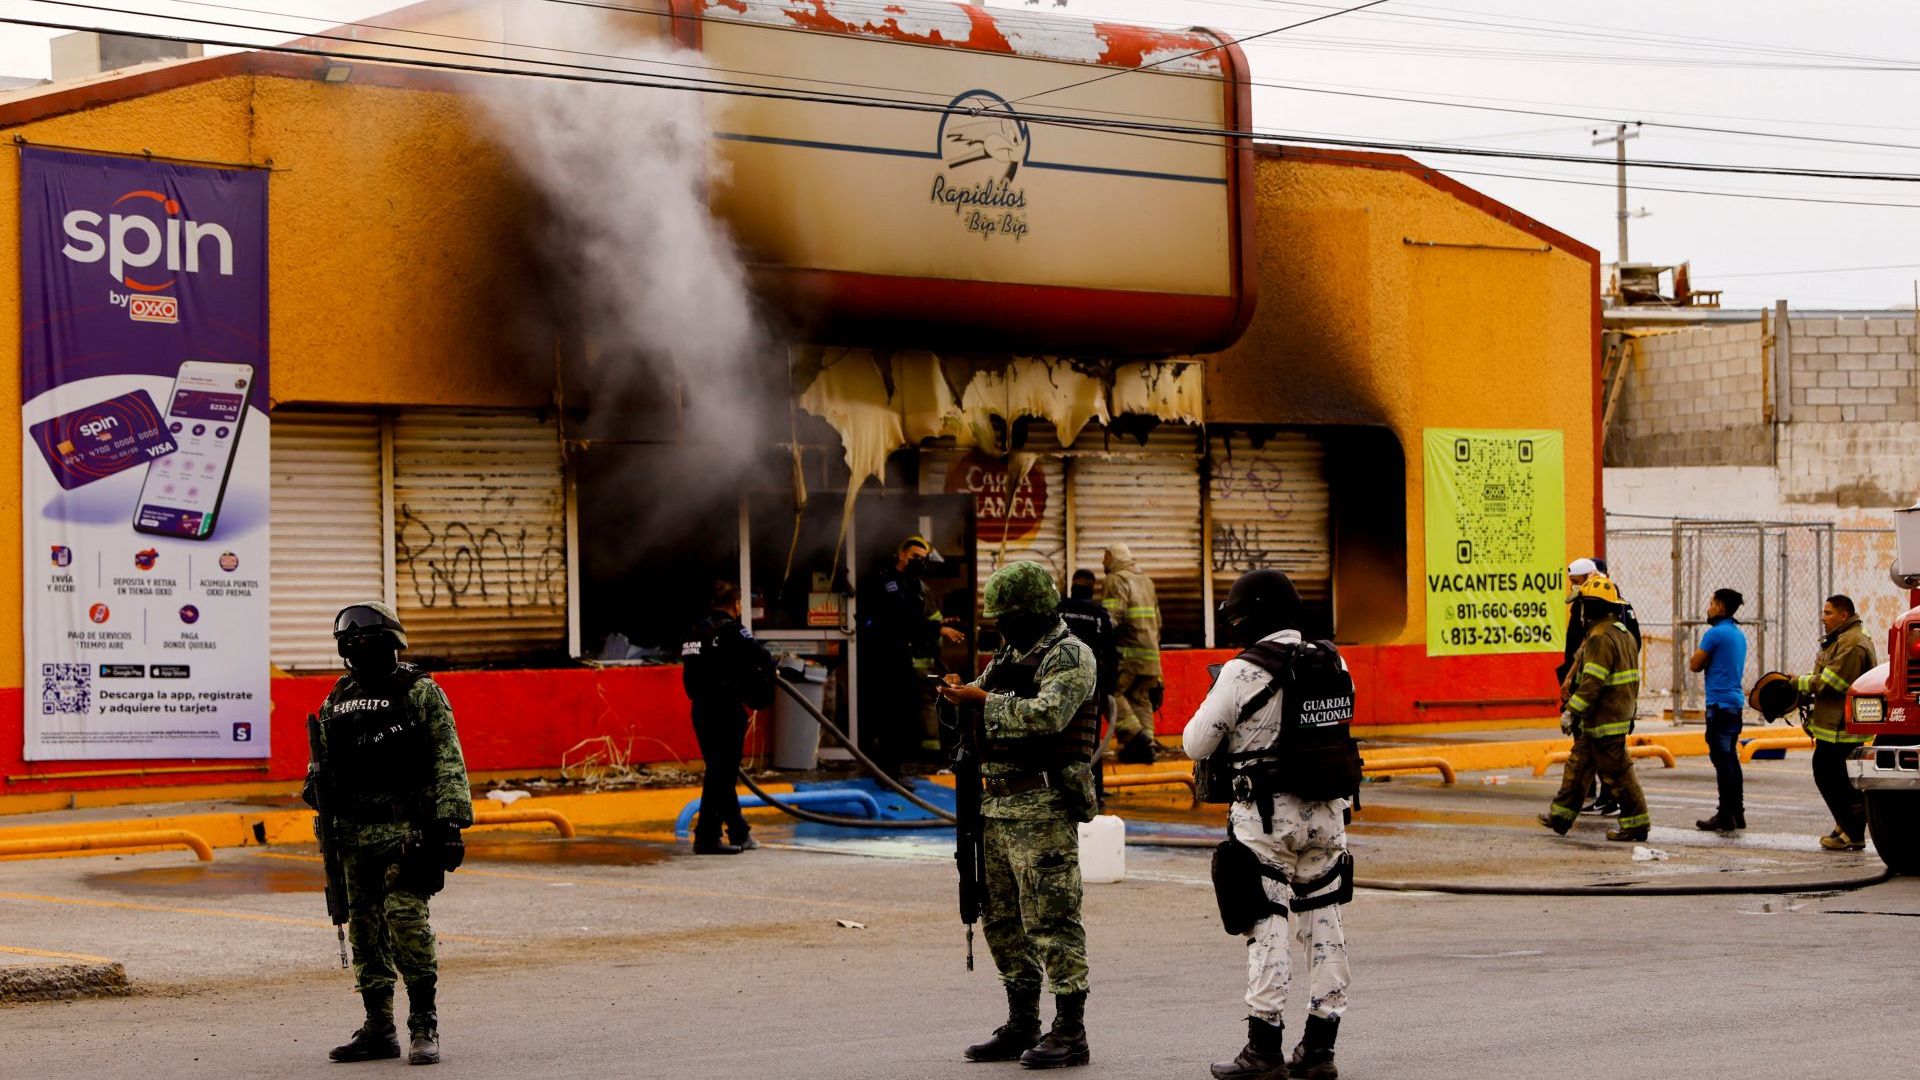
x=1845, y=655
x=1130, y=600
x=1603, y=686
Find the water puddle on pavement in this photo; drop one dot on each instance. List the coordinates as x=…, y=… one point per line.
x=237, y=877
x=581, y=851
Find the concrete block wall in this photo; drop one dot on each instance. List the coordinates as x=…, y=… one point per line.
x=1693, y=397
x=1853, y=368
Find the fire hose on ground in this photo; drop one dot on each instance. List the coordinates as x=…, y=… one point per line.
x=942, y=817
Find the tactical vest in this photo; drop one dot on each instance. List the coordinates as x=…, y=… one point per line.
x=1315, y=757
x=1039, y=753
x=380, y=749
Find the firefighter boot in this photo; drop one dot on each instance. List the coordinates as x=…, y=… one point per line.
x=423, y=1024
x=1555, y=824
x=1066, y=1041
x=376, y=1038
x=1263, y=1058
x=1018, y=1034
x=1634, y=835
x=1313, y=1058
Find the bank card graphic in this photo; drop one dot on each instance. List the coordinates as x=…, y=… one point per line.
x=102, y=439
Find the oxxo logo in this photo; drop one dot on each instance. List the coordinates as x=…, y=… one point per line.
x=159, y=247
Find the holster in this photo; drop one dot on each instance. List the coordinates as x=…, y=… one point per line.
x=421, y=872
x=1239, y=886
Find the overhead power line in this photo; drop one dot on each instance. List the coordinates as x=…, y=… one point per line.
x=1200, y=52
x=1819, y=270
x=724, y=88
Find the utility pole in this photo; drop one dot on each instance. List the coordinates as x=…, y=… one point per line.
x=1619, y=140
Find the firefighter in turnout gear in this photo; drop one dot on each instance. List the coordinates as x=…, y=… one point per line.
x=400, y=785
x=1846, y=653
x=1273, y=735
x=1601, y=695
x=1129, y=599
x=1037, y=723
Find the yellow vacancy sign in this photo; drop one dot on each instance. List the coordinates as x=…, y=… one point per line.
x=1496, y=538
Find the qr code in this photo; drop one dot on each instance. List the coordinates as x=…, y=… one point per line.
x=66, y=689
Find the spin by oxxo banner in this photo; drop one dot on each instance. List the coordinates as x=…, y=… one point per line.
x=1496, y=541
x=143, y=375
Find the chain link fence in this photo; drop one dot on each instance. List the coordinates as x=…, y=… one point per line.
x=1669, y=568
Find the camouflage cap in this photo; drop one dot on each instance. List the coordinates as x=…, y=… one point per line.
x=1021, y=588
x=369, y=615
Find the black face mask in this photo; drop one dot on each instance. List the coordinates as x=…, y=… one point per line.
x=916, y=567
x=370, y=657
x=1023, y=632
x=1081, y=592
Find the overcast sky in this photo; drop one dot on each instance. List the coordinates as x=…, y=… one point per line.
x=1762, y=67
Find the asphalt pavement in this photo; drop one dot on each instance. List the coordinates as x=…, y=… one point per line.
x=832, y=955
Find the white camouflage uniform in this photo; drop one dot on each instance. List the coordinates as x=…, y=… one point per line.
x=1307, y=839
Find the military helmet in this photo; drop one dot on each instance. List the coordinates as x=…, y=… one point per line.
x=366, y=616
x=1021, y=588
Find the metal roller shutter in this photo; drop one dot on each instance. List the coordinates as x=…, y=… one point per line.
x=1148, y=498
x=326, y=530
x=1269, y=508
x=480, y=534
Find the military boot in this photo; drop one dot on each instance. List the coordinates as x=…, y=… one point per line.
x=1263, y=1058
x=1721, y=822
x=1066, y=1041
x=1018, y=1034
x=376, y=1038
x=1313, y=1058
x=423, y=1024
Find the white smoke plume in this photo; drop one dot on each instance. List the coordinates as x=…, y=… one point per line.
x=652, y=276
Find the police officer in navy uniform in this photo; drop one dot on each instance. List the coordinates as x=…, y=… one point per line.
x=726, y=674
x=899, y=638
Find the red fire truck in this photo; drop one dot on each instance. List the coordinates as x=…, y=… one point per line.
x=1886, y=701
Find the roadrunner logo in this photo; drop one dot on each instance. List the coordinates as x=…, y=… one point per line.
x=982, y=144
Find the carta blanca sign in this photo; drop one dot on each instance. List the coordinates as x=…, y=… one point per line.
x=1496, y=541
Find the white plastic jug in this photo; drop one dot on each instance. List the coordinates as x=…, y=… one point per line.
x=1103, y=850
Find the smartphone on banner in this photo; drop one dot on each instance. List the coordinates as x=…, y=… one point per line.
x=182, y=494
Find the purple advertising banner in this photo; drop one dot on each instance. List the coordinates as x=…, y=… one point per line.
x=144, y=458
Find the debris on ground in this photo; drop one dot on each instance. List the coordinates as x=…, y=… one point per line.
x=507, y=797
x=1642, y=853
x=849, y=924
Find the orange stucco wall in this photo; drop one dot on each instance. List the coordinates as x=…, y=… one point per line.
x=396, y=250
x=1387, y=300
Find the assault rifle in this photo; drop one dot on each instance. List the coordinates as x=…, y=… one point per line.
x=969, y=831
x=323, y=791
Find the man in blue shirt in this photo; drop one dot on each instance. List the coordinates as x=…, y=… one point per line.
x=1723, y=656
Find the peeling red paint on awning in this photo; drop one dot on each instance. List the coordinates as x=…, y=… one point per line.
x=965, y=26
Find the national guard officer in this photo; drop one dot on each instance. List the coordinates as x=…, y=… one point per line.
x=725, y=673
x=1038, y=725
x=1274, y=737
x=399, y=787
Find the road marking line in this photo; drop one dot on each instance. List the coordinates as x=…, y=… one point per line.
x=246, y=916
x=50, y=954
x=675, y=890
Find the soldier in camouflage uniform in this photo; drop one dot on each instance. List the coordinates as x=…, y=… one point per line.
x=1038, y=727
x=400, y=790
